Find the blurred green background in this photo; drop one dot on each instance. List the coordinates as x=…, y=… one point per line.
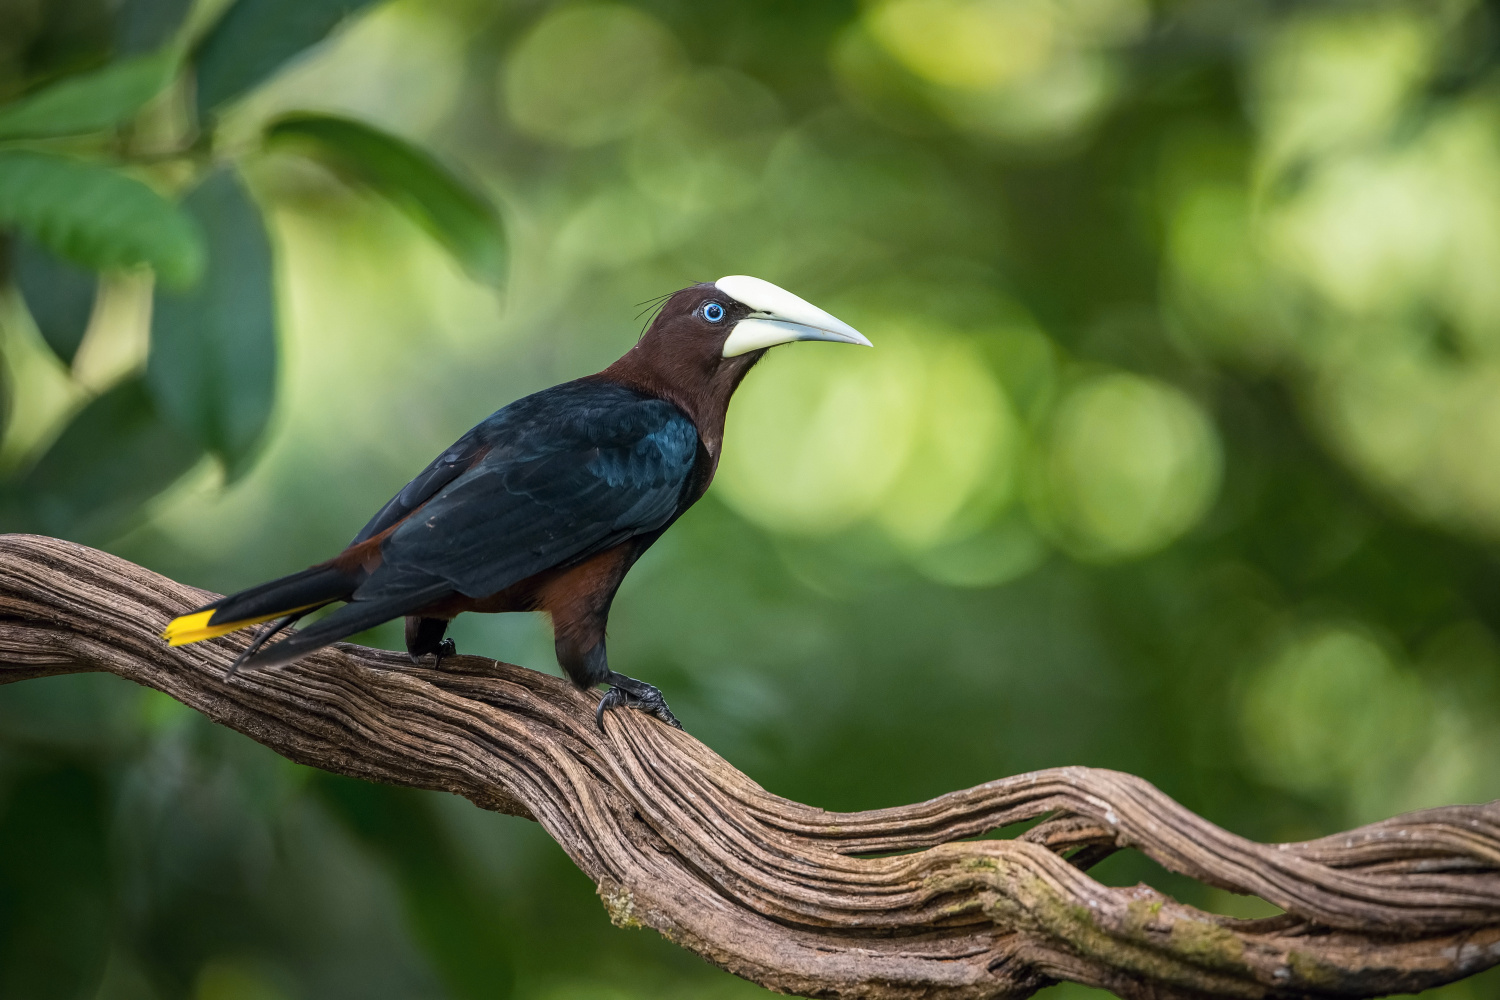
x=1179, y=452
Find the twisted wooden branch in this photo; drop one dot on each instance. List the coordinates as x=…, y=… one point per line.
x=890, y=903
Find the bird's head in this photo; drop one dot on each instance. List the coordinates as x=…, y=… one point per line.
x=708, y=336
x=729, y=324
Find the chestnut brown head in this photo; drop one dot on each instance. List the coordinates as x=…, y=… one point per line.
x=739, y=315
x=707, y=337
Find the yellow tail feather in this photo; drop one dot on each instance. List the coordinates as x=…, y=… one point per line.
x=195, y=627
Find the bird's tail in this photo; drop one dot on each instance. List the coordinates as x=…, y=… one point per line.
x=311, y=588
x=353, y=617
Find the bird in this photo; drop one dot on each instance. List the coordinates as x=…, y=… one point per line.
x=545, y=504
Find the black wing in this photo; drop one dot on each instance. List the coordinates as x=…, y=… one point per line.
x=564, y=474
x=443, y=470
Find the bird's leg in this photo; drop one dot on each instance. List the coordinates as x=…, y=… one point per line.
x=425, y=635
x=590, y=667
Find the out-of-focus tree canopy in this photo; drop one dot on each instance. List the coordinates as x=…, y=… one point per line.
x=1176, y=454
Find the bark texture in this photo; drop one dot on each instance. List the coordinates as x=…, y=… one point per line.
x=889, y=903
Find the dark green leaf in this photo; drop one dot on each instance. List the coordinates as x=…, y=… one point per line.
x=92, y=102
x=59, y=296
x=212, y=366
x=115, y=455
x=143, y=25
x=97, y=217
x=51, y=40
x=454, y=212
x=255, y=38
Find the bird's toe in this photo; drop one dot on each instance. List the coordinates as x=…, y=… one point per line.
x=652, y=703
x=631, y=693
x=444, y=649
x=613, y=698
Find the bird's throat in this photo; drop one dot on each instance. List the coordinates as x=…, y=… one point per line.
x=700, y=390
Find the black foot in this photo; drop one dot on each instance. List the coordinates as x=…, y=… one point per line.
x=631, y=693
x=440, y=651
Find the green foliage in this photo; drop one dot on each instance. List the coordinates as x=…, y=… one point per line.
x=144, y=25
x=457, y=215
x=59, y=296
x=254, y=38
x=91, y=102
x=1175, y=453
x=212, y=367
x=113, y=457
x=96, y=216
x=210, y=361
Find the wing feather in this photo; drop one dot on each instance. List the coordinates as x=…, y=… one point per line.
x=439, y=473
x=564, y=475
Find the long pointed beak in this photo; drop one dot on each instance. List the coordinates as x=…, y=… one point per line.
x=779, y=317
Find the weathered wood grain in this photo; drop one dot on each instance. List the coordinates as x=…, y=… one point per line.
x=889, y=903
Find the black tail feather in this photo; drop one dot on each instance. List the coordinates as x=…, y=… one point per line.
x=346, y=621
x=318, y=585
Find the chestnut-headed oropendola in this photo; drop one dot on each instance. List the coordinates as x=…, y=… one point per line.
x=546, y=504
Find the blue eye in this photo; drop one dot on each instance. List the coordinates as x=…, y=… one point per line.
x=713, y=312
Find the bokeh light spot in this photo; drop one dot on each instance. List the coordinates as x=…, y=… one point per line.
x=909, y=436
x=588, y=74
x=995, y=555
x=814, y=442
x=1021, y=70
x=707, y=144
x=1131, y=464
x=966, y=437
x=617, y=226
x=1331, y=711
x=972, y=44
x=1329, y=80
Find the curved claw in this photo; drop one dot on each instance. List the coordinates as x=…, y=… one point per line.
x=612, y=698
x=631, y=693
x=444, y=649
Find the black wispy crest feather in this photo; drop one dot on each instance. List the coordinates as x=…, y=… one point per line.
x=651, y=309
x=654, y=302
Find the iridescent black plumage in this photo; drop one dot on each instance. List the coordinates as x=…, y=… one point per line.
x=545, y=504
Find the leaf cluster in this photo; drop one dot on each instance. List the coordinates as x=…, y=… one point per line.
x=114, y=176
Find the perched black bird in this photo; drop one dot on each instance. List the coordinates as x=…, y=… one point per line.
x=546, y=504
